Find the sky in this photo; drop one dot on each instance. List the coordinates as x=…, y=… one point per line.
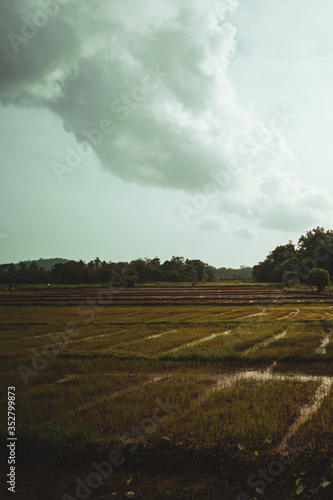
x=164, y=127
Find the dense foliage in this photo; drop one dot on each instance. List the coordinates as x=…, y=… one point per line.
x=319, y=278
x=292, y=263
x=177, y=269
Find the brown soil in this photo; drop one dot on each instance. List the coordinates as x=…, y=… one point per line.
x=164, y=471
x=235, y=295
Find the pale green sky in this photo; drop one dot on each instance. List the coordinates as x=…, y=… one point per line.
x=206, y=128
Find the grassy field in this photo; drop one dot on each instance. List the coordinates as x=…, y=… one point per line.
x=197, y=399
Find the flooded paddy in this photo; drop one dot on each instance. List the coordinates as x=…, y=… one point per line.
x=240, y=373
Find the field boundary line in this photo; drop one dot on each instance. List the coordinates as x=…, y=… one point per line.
x=200, y=341
x=264, y=343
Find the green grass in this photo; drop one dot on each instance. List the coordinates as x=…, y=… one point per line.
x=317, y=432
x=245, y=415
x=102, y=382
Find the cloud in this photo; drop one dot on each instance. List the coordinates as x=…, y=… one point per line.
x=214, y=223
x=279, y=201
x=35, y=60
x=159, y=73
x=245, y=232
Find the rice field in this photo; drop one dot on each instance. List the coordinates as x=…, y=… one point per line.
x=219, y=387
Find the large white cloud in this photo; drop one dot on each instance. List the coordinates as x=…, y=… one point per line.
x=157, y=70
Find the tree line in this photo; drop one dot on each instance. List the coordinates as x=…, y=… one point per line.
x=61, y=271
x=310, y=260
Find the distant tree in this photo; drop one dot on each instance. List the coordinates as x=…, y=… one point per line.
x=211, y=273
x=199, y=267
x=140, y=268
x=97, y=263
x=173, y=270
x=154, y=269
x=279, y=272
x=244, y=273
x=35, y=274
x=319, y=278
x=262, y=272
x=22, y=266
x=308, y=244
x=64, y=271
x=189, y=272
x=70, y=272
x=128, y=277
x=11, y=274
x=316, y=250
x=290, y=278
x=267, y=271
